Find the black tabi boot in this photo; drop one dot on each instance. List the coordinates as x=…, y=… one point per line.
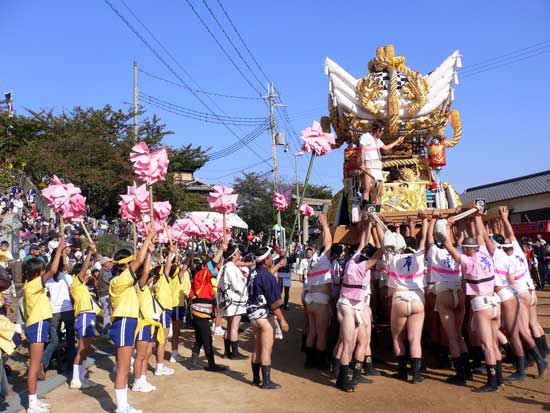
x=444, y=358
x=402, y=373
x=310, y=358
x=529, y=358
x=212, y=366
x=344, y=382
x=267, y=384
x=465, y=359
x=416, y=366
x=477, y=357
x=256, y=374
x=542, y=345
x=335, y=370
x=322, y=360
x=368, y=367
x=227, y=349
x=235, y=355
x=519, y=375
x=510, y=354
x=498, y=369
x=357, y=378
x=542, y=364
x=195, y=365
x=491, y=385
x=303, y=344
x=459, y=378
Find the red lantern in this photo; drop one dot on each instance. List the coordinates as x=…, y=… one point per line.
x=436, y=154
x=351, y=161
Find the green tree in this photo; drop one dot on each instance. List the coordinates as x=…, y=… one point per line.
x=187, y=158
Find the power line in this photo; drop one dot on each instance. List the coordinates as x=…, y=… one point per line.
x=204, y=92
x=241, y=170
x=503, y=64
x=222, y=48
x=167, y=65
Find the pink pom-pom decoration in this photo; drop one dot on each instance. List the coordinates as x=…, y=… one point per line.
x=135, y=203
x=315, y=140
x=281, y=202
x=193, y=226
x=222, y=199
x=306, y=210
x=65, y=199
x=215, y=234
x=149, y=167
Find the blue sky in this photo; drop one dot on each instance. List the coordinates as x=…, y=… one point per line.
x=66, y=53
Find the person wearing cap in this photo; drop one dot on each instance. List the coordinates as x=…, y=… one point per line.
x=264, y=299
x=104, y=280
x=232, y=296
x=34, y=252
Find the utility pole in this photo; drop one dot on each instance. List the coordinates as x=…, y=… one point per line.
x=296, y=155
x=271, y=95
x=136, y=102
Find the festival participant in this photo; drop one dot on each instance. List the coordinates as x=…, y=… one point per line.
x=354, y=313
x=446, y=275
x=181, y=285
x=317, y=298
x=125, y=305
x=232, y=296
x=406, y=284
x=371, y=160
x=37, y=313
x=86, y=309
x=149, y=328
x=163, y=295
x=517, y=274
x=202, y=297
x=478, y=273
x=264, y=301
x=284, y=279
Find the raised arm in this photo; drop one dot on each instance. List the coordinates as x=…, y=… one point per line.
x=327, y=236
x=55, y=263
x=168, y=265
x=449, y=243
x=390, y=146
x=508, y=230
x=142, y=252
x=146, y=267
x=430, y=235
x=423, y=232
x=86, y=264
x=376, y=241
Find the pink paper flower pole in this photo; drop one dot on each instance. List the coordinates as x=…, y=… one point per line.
x=222, y=199
x=306, y=210
x=134, y=203
x=317, y=141
x=281, y=202
x=149, y=167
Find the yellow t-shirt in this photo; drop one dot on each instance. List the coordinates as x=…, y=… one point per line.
x=122, y=292
x=7, y=330
x=83, y=301
x=163, y=292
x=181, y=285
x=38, y=306
x=148, y=308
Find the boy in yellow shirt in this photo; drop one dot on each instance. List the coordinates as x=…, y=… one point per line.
x=180, y=283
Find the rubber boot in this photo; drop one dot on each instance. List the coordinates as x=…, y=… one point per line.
x=529, y=358
x=227, y=349
x=356, y=377
x=491, y=385
x=335, y=370
x=322, y=360
x=235, y=355
x=416, y=366
x=519, y=375
x=465, y=359
x=459, y=378
x=195, y=364
x=368, y=367
x=267, y=384
x=444, y=358
x=303, y=344
x=344, y=382
x=542, y=364
x=402, y=373
x=542, y=346
x=498, y=369
x=212, y=366
x=477, y=357
x=310, y=358
x=256, y=374
x=510, y=354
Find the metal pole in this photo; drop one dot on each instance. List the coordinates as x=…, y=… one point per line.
x=271, y=98
x=136, y=102
x=297, y=190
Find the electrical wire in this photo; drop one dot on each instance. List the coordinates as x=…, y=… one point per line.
x=502, y=64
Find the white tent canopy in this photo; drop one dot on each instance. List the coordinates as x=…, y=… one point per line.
x=233, y=220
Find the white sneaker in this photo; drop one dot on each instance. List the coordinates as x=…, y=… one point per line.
x=38, y=409
x=129, y=409
x=177, y=358
x=143, y=387
x=84, y=384
x=164, y=371
x=151, y=385
x=44, y=404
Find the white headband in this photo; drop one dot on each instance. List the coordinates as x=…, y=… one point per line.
x=469, y=245
x=263, y=257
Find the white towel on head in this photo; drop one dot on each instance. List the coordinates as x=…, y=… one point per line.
x=440, y=230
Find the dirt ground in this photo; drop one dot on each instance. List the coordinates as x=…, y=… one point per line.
x=303, y=390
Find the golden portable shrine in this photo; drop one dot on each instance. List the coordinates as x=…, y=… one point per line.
x=408, y=104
